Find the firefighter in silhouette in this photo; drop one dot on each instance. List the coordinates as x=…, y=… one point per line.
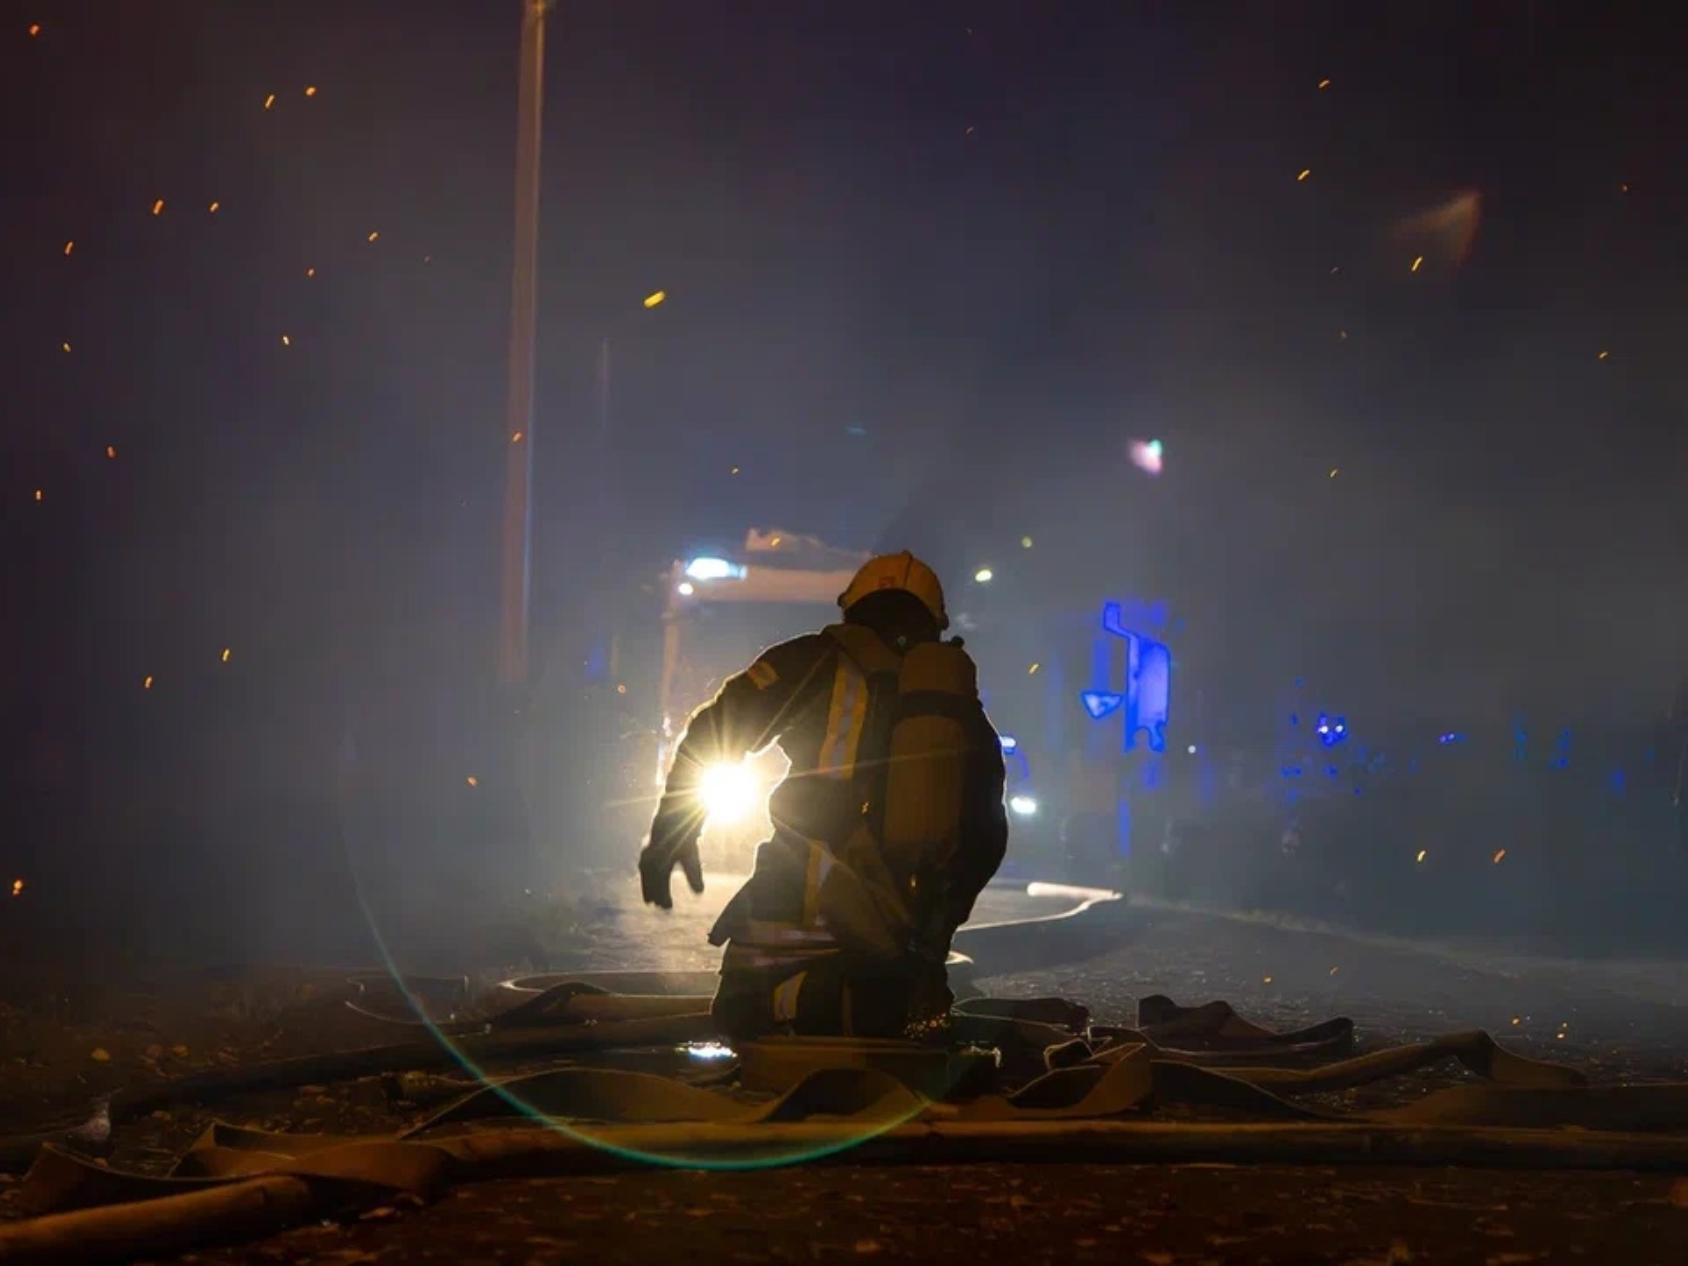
x=888, y=825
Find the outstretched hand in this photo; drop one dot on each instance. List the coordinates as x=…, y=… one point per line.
x=657, y=861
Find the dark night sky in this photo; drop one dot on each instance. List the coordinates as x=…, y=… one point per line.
x=998, y=240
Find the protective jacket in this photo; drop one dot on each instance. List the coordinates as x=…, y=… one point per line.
x=887, y=826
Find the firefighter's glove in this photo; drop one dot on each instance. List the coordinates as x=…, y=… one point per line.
x=667, y=849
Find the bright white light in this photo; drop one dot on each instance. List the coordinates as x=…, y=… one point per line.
x=1148, y=456
x=1025, y=806
x=983, y=576
x=713, y=569
x=1191, y=749
x=1038, y=888
x=686, y=589
x=1010, y=744
x=727, y=792
x=707, y=1050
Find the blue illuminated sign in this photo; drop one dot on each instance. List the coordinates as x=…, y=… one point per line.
x=1148, y=679
x=1098, y=703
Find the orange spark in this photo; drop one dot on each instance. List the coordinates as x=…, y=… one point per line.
x=70, y=246
x=310, y=90
x=1603, y=355
x=158, y=207
x=376, y=234
x=214, y=207
x=1305, y=172
x=1323, y=84
x=66, y=346
x=1417, y=261
x=285, y=341
x=621, y=687
x=472, y=781
x=269, y=101
x=1450, y=227
x=1499, y=853
x=1422, y=854
x=111, y=451
x=34, y=30
x=225, y=654
x=147, y=683
x=40, y=494
x=310, y=272
x=17, y=887
x=655, y=297
x=516, y=438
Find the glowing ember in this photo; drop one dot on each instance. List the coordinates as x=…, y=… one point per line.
x=1305, y=172
x=1323, y=84
x=1499, y=854
x=1032, y=671
x=1265, y=980
x=472, y=781
x=655, y=297
x=214, y=207
x=70, y=246
x=269, y=101
x=111, y=451
x=158, y=207
x=146, y=683
x=285, y=341
x=34, y=30
x=1602, y=356
x=516, y=438
x=310, y=90
x=225, y=655
x=310, y=272
x=1449, y=228
x=1417, y=262
x=17, y=887
x=40, y=495
x=1422, y=854
x=1335, y=471
x=375, y=236
x=66, y=346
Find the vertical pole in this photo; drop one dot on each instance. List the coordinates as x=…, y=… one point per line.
x=606, y=481
x=604, y=394
x=518, y=419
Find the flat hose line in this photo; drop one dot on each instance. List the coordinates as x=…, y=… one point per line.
x=235, y=1182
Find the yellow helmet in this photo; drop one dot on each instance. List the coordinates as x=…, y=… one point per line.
x=898, y=571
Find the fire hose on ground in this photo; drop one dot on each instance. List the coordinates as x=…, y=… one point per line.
x=860, y=1102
